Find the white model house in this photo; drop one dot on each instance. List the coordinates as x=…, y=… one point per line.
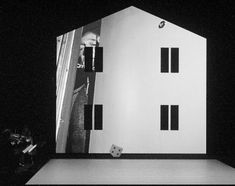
x=152, y=88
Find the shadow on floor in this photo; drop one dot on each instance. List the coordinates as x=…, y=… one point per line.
x=21, y=175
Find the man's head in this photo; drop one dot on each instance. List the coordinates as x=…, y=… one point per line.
x=89, y=39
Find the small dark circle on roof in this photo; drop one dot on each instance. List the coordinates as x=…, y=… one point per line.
x=161, y=24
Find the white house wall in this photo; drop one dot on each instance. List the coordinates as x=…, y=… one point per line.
x=131, y=87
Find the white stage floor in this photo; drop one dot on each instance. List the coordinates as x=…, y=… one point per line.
x=141, y=171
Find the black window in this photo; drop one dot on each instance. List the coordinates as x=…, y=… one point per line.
x=164, y=117
x=174, y=117
x=88, y=118
x=164, y=60
x=96, y=64
x=98, y=117
x=174, y=61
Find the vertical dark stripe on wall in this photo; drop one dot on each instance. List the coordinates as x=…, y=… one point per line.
x=99, y=59
x=174, y=117
x=87, y=117
x=88, y=59
x=164, y=60
x=164, y=117
x=98, y=117
x=175, y=60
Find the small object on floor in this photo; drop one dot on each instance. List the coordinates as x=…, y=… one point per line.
x=27, y=148
x=33, y=147
x=116, y=151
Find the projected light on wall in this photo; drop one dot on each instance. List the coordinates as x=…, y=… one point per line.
x=126, y=80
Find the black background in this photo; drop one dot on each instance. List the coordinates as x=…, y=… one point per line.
x=28, y=69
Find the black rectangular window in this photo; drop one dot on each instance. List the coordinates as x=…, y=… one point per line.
x=99, y=59
x=87, y=117
x=88, y=58
x=98, y=117
x=174, y=117
x=164, y=60
x=164, y=117
x=174, y=60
